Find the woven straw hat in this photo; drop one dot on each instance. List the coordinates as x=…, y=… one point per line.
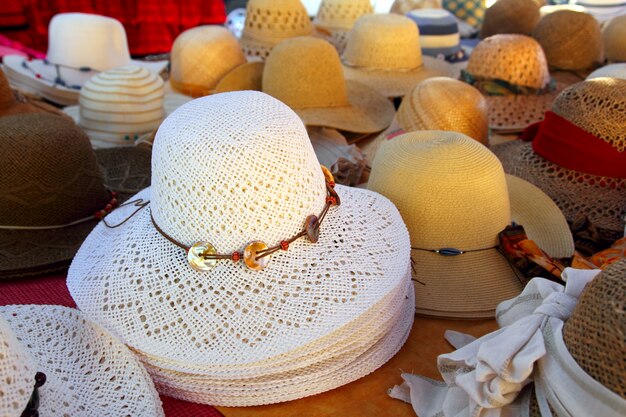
x=596, y=106
x=404, y=6
x=12, y=102
x=230, y=335
x=305, y=73
x=52, y=186
x=268, y=22
x=614, y=37
x=87, y=371
x=248, y=76
x=611, y=70
x=200, y=57
x=384, y=52
x=571, y=40
x=452, y=193
x=337, y=17
x=510, y=16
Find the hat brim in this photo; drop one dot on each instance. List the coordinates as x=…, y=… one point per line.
x=27, y=253
x=399, y=83
x=248, y=76
x=80, y=360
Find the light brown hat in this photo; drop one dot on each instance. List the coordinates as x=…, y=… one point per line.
x=571, y=40
x=614, y=36
x=305, y=73
x=335, y=18
x=201, y=57
x=404, y=6
x=13, y=102
x=384, y=52
x=510, y=16
x=248, y=76
x=270, y=21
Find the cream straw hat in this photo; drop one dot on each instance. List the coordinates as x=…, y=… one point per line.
x=452, y=193
x=614, y=37
x=384, y=52
x=510, y=16
x=335, y=18
x=315, y=317
x=87, y=372
x=119, y=106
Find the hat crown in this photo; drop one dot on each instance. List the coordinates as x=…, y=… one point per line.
x=614, y=36
x=516, y=59
x=305, y=72
x=87, y=40
x=342, y=14
x=276, y=19
x=510, y=16
x=384, y=42
x=233, y=168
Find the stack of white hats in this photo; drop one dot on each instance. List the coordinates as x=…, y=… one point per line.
x=181, y=281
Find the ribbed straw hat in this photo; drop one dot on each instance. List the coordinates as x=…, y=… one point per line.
x=9, y=103
x=305, y=73
x=405, y=6
x=614, y=36
x=384, y=52
x=337, y=17
x=443, y=184
x=510, y=16
x=598, y=107
x=611, y=70
x=270, y=21
x=571, y=40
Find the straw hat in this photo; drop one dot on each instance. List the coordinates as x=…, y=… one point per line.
x=12, y=102
x=248, y=76
x=79, y=46
x=270, y=21
x=614, y=37
x=595, y=106
x=384, y=52
x=571, y=40
x=86, y=371
x=510, y=16
x=201, y=57
x=611, y=70
x=228, y=334
x=337, y=17
x=305, y=73
x=551, y=8
x=53, y=190
x=405, y=6
x=444, y=184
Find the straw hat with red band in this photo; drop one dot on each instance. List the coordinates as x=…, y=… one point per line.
x=578, y=153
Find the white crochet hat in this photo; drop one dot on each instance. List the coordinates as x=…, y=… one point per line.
x=231, y=169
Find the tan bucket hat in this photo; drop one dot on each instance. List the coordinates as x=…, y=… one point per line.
x=614, y=37
x=335, y=18
x=13, y=102
x=510, y=16
x=453, y=194
x=201, y=57
x=384, y=52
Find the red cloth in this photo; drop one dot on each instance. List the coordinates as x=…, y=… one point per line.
x=52, y=290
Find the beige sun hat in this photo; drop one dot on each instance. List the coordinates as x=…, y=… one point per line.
x=510, y=16
x=270, y=21
x=305, y=73
x=384, y=52
x=571, y=40
x=614, y=37
x=452, y=193
x=200, y=57
x=335, y=18
x=404, y=6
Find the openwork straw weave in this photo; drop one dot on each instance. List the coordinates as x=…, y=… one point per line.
x=17, y=373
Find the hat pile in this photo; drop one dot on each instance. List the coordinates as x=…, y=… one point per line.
x=336, y=17
x=242, y=329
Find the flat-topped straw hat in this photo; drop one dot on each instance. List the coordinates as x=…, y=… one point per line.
x=268, y=22
x=510, y=16
x=384, y=52
x=335, y=18
x=455, y=200
x=13, y=102
x=614, y=39
x=55, y=362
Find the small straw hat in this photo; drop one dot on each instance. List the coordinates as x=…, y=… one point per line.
x=270, y=21
x=384, y=52
x=452, y=193
x=611, y=70
x=13, y=102
x=201, y=57
x=305, y=73
x=571, y=40
x=614, y=37
x=337, y=17
x=404, y=6
x=510, y=16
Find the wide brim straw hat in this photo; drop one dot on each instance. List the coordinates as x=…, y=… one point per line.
x=510, y=16
x=614, y=39
x=248, y=76
x=88, y=372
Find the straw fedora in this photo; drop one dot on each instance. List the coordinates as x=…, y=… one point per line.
x=13, y=102
x=55, y=362
x=614, y=38
x=588, y=117
x=384, y=52
x=305, y=73
x=119, y=106
x=611, y=70
x=452, y=193
x=200, y=57
x=405, y=6
x=242, y=319
x=268, y=22
x=510, y=16
x=335, y=18
x=54, y=189
x=79, y=46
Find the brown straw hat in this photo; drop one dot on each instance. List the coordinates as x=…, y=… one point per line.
x=335, y=18
x=305, y=74
x=384, y=52
x=452, y=193
x=598, y=107
x=201, y=57
x=404, y=6
x=571, y=40
x=53, y=188
x=12, y=102
x=510, y=16
x=614, y=36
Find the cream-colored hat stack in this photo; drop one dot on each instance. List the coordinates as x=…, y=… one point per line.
x=317, y=316
x=337, y=17
x=614, y=37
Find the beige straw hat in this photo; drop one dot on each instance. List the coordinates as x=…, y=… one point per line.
x=452, y=193
x=270, y=21
x=404, y=6
x=305, y=73
x=614, y=36
x=384, y=52
x=248, y=76
x=571, y=40
x=510, y=16
x=201, y=57
x=335, y=18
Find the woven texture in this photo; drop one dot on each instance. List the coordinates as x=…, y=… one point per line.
x=405, y=6
x=17, y=372
x=571, y=40
x=614, y=37
x=470, y=11
x=510, y=16
x=341, y=14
